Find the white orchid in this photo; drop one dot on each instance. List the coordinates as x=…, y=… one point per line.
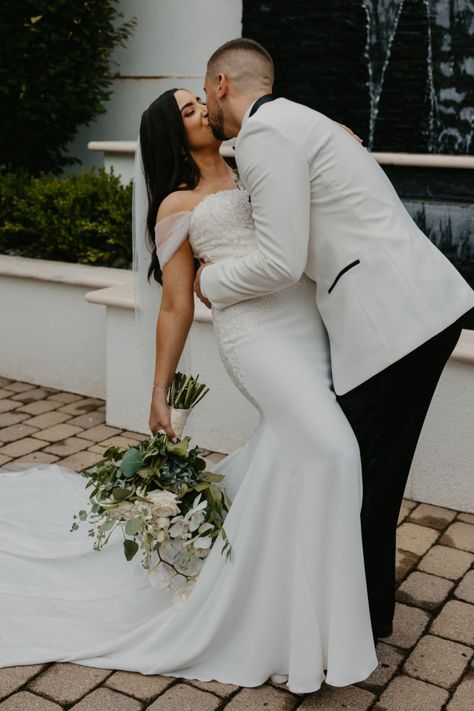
x=195, y=516
x=180, y=527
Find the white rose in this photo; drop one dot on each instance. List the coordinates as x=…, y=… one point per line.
x=164, y=502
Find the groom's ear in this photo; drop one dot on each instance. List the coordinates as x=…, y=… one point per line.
x=222, y=85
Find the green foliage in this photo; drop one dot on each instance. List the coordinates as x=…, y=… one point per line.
x=85, y=218
x=54, y=76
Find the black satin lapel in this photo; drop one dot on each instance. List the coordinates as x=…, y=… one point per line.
x=262, y=100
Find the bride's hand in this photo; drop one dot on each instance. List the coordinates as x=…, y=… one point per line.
x=160, y=414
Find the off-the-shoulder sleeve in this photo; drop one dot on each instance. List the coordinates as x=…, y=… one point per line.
x=170, y=233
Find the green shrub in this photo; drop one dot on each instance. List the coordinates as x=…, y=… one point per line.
x=55, y=76
x=85, y=218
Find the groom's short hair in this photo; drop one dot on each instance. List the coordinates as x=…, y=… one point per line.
x=244, y=60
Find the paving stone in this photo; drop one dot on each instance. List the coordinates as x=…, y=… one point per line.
x=414, y=538
x=215, y=687
x=21, y=447
x=433, y=516
x=455, y=621
x=465, y=589
x=121, y=442
x=31, y=395
x=4, y=381
x=4, y=393
x=12, y=418
x=404, y=511
x=424, y=590
x=58, y=432
x=90, y=419
x=463, y=696
x=37, y=458
x=142, y=686
x=407, y=694
x=184, y=697
x=106, y=700
x=68, y=446
x=136, y=435
x=17, y=386
x=216, y=457
x=66, y=683
x=12, y=678
x=80, y=460
x=82, y=406
x=408, y=625
x=4, y=460
x=24, y=701
x=404, y=562
x=261, y=698
x=16, y=432
x=331, y=698
x=438, y=661
x=39, y=407
x=65, y=398
x=446, y=562
x=100, y=432
x=49, y=419
x=389, y=661
x=466, y=517
x=459, y=535
x=7, y=405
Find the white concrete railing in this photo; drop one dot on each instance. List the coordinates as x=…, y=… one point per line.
x=120, y=156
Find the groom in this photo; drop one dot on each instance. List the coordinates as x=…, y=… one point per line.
x=390, y=301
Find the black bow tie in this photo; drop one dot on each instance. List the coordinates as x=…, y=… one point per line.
x=262, y=100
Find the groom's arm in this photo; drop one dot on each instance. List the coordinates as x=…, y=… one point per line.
x=276, y=175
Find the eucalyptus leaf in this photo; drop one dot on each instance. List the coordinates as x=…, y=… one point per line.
x=106, y=526
x=131, y=462
x=130, y=548
x=213, y=476
x=120, y=494
x=133, y=526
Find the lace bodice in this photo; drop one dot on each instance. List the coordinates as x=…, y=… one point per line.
x=221, y=226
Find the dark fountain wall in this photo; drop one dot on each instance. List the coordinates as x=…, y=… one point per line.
x=401, y=74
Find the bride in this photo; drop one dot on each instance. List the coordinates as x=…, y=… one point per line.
x=291, y=605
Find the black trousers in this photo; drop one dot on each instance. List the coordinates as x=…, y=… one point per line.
x=386, y=413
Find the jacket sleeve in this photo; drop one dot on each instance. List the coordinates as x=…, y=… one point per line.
x=276, y=175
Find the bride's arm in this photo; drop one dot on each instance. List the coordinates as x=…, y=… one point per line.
x=174, y=321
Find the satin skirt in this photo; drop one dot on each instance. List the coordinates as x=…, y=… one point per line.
x=291, y=603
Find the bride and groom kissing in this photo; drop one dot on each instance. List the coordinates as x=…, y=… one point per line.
x=334, y=315
x=390, y=301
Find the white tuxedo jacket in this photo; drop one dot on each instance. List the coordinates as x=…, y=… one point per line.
x=323, y=206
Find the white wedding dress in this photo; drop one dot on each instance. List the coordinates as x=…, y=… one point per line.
x=291, y=604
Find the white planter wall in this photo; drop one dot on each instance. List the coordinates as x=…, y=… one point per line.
x=170, y=47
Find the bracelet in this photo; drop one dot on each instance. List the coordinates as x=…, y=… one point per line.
x=160, y=387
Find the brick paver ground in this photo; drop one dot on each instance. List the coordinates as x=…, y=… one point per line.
x=426, y=664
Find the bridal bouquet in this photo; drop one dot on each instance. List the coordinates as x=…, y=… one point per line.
x=161, y=496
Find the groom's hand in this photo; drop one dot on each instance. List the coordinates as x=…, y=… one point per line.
x=197, y=286
x=351, y=132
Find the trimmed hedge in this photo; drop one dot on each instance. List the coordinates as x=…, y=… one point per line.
x=84, y=218
x=55, y=75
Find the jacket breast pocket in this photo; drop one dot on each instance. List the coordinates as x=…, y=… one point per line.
x=343, y=271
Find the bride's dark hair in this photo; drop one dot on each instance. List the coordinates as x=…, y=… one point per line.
x=167, y=162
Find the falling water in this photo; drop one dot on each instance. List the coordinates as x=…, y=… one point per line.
x=383, y=17
x=432, y=142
